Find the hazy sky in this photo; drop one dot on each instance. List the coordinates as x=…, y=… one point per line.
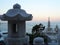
x=40, y=9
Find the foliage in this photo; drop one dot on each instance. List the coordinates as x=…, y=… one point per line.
x=38, y=28
x=36, y=32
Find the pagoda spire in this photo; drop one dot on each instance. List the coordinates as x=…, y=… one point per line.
x=48, y=23
x=56, y=28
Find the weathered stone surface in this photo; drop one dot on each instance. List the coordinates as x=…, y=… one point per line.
x=16, y=18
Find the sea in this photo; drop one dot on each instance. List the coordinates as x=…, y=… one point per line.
x=29, y=25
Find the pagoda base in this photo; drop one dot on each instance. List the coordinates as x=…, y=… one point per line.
x=16, y=41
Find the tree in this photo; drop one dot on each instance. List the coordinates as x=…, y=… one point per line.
x=36, y=32
x=35, y=29
x=38, y=28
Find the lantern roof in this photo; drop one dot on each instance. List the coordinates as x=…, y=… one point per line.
x=16, y=14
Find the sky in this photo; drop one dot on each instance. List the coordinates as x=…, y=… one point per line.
x=40, y=9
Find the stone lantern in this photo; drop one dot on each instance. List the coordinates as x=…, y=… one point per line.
x=16, y=18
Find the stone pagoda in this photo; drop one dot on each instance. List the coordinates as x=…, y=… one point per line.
x=16, y=18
